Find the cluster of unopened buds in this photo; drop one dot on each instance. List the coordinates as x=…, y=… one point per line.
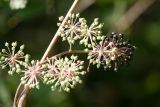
x=109, y=51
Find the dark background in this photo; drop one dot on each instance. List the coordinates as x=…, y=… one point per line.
x=134, y=85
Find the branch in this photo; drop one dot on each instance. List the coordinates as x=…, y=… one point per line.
x=70, y=52
x=66, y=52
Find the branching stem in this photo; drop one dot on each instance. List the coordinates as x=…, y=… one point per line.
x=22, y=98
x=69, y=52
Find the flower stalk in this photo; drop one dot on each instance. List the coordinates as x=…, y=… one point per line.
x=22, y=99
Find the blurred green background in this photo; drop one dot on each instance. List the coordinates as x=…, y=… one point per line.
x=134, y=85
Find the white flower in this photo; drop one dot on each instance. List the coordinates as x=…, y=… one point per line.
x=18, y=4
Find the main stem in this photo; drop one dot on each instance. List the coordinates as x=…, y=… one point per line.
x=21, y=100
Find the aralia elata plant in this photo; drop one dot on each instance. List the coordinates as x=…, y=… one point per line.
x=61, y=72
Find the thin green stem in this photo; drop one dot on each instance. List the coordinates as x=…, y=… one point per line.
x=66, y=52
x=70, y=52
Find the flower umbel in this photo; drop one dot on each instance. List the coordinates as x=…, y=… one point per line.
x=64, y=73
x=12, y=58
x=32, y=74
x=76, y=28
x=91, y=33
x=111, y=52
x=72, y=29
